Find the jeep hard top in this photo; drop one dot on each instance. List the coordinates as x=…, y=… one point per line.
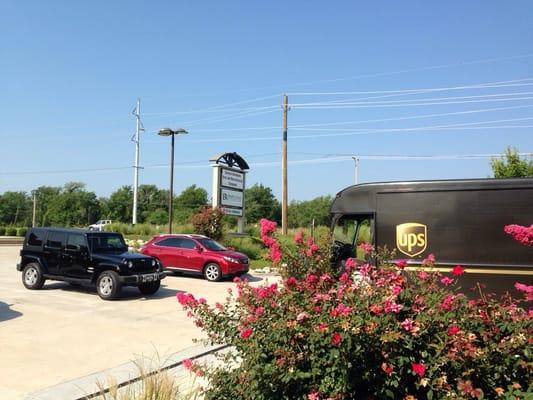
x=81, y=256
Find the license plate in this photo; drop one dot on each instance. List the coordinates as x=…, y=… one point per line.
x=149, y=278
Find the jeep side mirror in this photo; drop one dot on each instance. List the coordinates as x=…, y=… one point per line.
x=199, y=249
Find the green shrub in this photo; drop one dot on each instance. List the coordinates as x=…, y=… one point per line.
x=246, y=245
x=22, y=231
x=143, y=230
x=11, y=231
x=2, y=231
x=119, y=227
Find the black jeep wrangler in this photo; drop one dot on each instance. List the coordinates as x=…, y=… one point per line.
x=79, y=257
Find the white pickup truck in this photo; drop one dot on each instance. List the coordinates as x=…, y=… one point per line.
x=99, y=225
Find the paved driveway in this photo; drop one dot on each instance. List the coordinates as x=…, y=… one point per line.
x=61, y=332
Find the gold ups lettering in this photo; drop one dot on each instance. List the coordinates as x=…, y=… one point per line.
x=411, y=238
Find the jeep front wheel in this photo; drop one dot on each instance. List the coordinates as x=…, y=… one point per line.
x=149, y=288
x=108, y=285
x=32, y=276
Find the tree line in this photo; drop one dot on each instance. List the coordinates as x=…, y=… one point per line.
x=73, y=205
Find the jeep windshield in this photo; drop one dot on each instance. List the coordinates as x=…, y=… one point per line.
x=107, y=242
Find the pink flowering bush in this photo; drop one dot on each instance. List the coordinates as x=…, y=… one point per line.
x=523, y=234
x=305, y=256
x=374, y=333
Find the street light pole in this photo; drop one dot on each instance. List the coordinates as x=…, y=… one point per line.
x=170, y=132
x=356, y=171
x=171, y=196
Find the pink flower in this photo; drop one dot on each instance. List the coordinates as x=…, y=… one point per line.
x=350, y=264
x=446, y=281
x=275, y=252
x=259, y=311
x=366, y=248
x=314, y=395
x=387, y=368
x=458, y=270
x=291, y=281
x=401, y=264
x=336, y=338
x=246, y=333
x=523, y=288
x=187, y=363
x=302, y=316
x=407, y=324
x=429, y=260
x=299, y=237
x=419, y=369
x=447, y=303
x=322, y=327
x=390, y=306
x=376, y=309
x=523, y=234
x=423, y=275
x=452, y=330
x=267, y=227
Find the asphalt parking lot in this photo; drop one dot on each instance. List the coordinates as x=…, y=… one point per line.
x=63, y=332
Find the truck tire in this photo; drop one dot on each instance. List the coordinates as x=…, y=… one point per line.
x=212, y=272
x=32, y=276
x=108, y=285
x=149, y=288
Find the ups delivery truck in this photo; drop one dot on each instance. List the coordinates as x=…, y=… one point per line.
x=461, y=222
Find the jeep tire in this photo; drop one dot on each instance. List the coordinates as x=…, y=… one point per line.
x=150, y=287
x=108, y=285
x=212, y=272
x=32, y=276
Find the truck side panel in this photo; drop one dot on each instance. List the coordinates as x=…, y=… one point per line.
x=462, y=226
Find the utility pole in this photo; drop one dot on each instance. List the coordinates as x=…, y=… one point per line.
x=284, y=196
x=356, y=171
x=137, y=113
x=34, y=210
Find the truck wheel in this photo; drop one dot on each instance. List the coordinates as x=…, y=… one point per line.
x=108, y=285
x=149, y=288
x=212, y=272
x=32, y=276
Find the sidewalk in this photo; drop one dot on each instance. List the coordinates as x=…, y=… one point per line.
x=127, y=374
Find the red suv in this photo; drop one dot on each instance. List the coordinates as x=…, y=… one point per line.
x=196, y=254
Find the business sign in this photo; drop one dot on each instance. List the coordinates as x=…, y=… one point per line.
x=232, y=179
x=232, y=211
x=411, y=238
x=233, y=198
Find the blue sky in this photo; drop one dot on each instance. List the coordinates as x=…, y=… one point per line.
x=70, y=73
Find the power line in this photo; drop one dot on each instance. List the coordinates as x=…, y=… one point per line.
x=407, y=104
x=349, y=102
x=496, y=84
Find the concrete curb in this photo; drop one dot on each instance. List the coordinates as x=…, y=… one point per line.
x=125, y=374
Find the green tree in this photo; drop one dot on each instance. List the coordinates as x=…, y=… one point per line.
x=46, y=196
x=15, y=209
x=189, y=202
x=301, y=213
x=260, y=202
x=510, y=165
x=120, y=204
x=73, y=206
x=152, y=201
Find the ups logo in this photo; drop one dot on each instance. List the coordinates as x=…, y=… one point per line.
x=411, y=238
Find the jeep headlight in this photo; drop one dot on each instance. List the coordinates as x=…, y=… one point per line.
x=154, y=263
x=130, y=264
x=231, y=259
